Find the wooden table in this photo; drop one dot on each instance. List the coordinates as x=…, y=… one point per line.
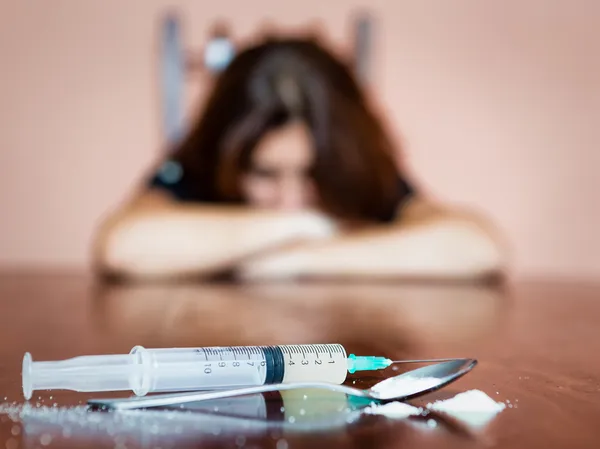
x=538, y=346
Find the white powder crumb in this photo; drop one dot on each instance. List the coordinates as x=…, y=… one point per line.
x=282, y=444
x=474, y=407
x=350, y=419
x=398, y=410
x=404, y=385
x=46, y=439
x=431, y=423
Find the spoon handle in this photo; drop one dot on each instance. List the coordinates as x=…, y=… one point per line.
x=163, y=400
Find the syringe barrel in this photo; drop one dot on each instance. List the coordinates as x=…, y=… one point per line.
x=180, y=369
x=184, y=369
x=315, y=363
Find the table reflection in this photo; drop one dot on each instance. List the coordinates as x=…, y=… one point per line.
x=278, y=418
x=392, y=320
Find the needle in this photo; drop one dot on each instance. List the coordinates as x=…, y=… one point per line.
x=423, y=361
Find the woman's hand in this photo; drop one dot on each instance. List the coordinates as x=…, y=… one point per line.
x=315, y=225
x=284, y=262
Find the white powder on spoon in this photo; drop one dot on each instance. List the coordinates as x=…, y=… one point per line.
x=404, y=385
x=397, y=387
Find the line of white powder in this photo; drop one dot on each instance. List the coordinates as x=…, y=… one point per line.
x=473, y=407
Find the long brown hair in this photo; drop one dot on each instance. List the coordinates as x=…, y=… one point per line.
x=271, y=84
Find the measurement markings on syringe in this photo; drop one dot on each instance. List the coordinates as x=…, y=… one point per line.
x=318, y=360
x=304, y=361
x=224, y=362
x=304, y=350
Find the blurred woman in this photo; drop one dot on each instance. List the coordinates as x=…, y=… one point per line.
x=288, y=173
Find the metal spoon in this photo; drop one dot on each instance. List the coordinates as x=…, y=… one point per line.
x=404, y=386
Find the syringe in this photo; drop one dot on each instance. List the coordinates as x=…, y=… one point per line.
x=184, y=369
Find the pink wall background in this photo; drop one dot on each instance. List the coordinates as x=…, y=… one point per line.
x=498, y=104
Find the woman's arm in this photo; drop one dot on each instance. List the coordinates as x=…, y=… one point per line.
x=428, y=242
x=156, y=237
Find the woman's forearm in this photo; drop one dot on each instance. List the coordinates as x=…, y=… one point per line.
x=194, y=240
x=445, y=249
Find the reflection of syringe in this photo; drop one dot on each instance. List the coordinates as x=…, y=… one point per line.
x=254, y=416
x=184, y=369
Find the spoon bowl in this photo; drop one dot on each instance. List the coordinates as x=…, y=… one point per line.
x=402, y=387
x=421, y=381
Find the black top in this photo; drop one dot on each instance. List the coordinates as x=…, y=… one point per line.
x=170, y=178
